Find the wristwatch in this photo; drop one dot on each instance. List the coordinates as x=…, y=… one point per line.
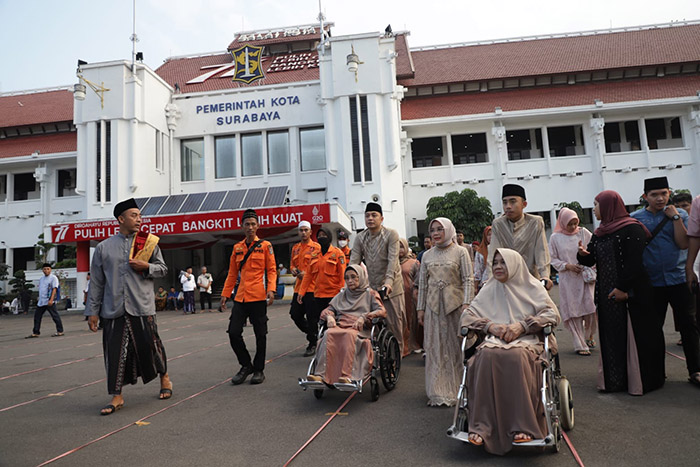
x=676, y=217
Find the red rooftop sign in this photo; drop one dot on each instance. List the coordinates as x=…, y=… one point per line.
x=193, y=223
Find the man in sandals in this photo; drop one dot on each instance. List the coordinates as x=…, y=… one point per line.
x=48, y=287
x=121, y=292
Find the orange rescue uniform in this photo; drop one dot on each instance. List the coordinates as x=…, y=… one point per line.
x=346, y=250
x=301, y=258
x=252, y=285
x=326, y=272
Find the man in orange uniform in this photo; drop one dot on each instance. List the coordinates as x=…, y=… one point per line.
x=303, y=312
x=326, y=270
x=343, y=245
x=254, y=259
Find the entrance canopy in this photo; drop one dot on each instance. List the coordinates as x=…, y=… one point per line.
x=196, y=226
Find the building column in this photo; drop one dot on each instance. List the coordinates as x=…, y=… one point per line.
x=598, y=165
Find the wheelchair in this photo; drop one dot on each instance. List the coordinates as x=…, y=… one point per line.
x=386, y=364
x=555, y=392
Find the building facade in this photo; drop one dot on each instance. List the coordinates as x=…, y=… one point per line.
x=301, y=124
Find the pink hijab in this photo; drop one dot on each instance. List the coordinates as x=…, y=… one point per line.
x=613, y=214
x=566, y=215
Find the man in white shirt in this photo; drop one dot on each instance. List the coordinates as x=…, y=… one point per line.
x=204, y=281
x=188, y=286
x=48, y=288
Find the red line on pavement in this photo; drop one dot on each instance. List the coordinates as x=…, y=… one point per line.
x=67, y=453
x=320, y=429
x=674, y=355
x=50, y=395
x=49, y=367
x=572, y=448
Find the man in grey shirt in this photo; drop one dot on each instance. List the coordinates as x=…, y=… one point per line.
x=48, y=289
x=121, y=292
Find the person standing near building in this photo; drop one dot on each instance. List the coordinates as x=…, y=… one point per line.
x=413, y=332
x=460, y=242
x=343, y=245
x=188, y=286
x=48, y=288
x=378, y=248
x=121, y=292
x=481, y=272
x=665, y=257
x=427, y=244
x=576, y=303
x=204, y=281
x=521, y=232
x=303, y=311
x=254, y=259
x=326, y=271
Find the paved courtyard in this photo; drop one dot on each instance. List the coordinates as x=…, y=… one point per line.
x=51, y=390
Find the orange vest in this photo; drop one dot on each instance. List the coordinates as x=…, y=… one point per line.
x=326, y=272
x=261, y=262
x=346, y=249
x=301, y=258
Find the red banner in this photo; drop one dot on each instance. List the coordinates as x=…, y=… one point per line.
x=194, y=223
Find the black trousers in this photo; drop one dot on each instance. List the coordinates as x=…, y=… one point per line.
x=39, y=314
x=305, y=316
x=204, y=297
x=256, y=312
x=321, y=304
x=682, y=304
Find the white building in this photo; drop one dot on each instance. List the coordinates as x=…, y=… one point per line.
x=323, y=127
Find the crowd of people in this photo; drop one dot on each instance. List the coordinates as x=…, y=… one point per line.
x=616, y=282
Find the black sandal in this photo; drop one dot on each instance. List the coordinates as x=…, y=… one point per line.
x=165, y=393
x=694, y=379
x=111, y=408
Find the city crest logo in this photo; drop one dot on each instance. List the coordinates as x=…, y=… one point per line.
x=248, y=61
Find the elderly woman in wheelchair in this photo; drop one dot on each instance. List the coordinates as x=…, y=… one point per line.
x=505, y=377
x=345, y=354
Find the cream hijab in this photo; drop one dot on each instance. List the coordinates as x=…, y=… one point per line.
x=354, y=300
x=450, y=233
x=514, y=300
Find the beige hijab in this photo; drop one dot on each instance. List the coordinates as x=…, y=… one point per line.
x=348, y=301
x=450, y=232
x=514, y=300
x=408, y=253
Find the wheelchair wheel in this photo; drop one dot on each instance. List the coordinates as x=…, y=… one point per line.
x=556, y=446
x=318, y=393
x=373, y=389
x=462, y=423
x=389, y=360
x=566, y=404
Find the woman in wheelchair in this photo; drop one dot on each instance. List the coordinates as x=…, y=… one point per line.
x=505, y=375
x=345, y=352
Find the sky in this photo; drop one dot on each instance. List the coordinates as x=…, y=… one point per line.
x=43, y=39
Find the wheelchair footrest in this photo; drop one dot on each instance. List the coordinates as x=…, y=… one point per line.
x=454, y=433
x=306, y=384
x=354, y=386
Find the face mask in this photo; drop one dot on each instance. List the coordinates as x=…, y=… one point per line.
x=342, y=243
x=325, y=242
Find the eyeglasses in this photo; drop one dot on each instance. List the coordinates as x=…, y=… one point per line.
x=437, y=230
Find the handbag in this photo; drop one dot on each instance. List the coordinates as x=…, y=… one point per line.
x=589, y=274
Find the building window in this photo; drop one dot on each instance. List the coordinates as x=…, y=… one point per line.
x=359, y=129
x=524, y=144
x=225, y=155
x=160, y=144
x=664, y=133
x=66, y=182
x=469, y=149
x=103, y=159
x=251, y=148
x=428, y=152
x=192, y=160
x=3, y=187
x=278, y=152
x=622, y=136
x=313, y=148
x=26, y=187
x=565, y=141
x=23, y=259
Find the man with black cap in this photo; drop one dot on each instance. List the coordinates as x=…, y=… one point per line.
x=48, y=288
x=521, y=232
x=122, y=294
x=303, y=307
x=326, y=273
x=343, y=245
x=254, y=259
x=664, y=260
x=378, y=248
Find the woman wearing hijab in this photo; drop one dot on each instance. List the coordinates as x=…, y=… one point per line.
x=575, y=295
x=345, y=352
x=481, y=272
x=413, y=336
x=631, y=337
x=445, y=288
x=505, y=374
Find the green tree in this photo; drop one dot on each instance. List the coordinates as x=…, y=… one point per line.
x=4, y=270
x=574, y=206
x=468, y=211
x=19, y=283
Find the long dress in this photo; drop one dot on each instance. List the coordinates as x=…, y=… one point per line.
x=631, y=343
x=446, y=283
x=345, y=352
x=413, y=339
x=575, y=296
